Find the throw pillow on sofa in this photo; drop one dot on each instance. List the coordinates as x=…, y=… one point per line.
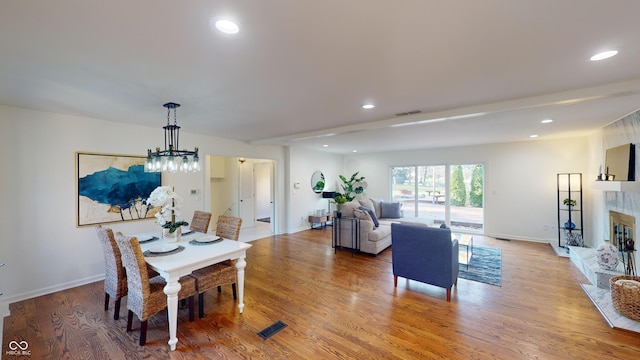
x=366, y=203
x=362, y=215
x=372, y=214
x=390, y=210
x=376, y=206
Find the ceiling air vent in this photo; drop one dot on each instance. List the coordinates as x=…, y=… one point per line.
x=409, y=113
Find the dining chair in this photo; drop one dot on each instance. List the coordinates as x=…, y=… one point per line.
x=146, y=295
x=223, y=273
x=200, y=221
x=115, y=279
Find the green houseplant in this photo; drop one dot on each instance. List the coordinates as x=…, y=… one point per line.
x=352, y=187
x=339, y=200
x=569, y=202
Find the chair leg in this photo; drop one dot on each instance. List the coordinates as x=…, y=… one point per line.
x=233, y=289
x=395, y=280
x=190, y=308
x=143, y=332
x=219, y=289
x=449, y=294
x=116, y=309
x=106, y=301
x=129, y=320
x=201, y=305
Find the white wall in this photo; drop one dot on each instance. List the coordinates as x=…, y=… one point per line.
x=43, y=248
x=304, y=201
x=598, y=217
x=520, y=180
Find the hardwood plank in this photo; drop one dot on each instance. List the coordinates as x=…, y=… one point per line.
x=339, y=306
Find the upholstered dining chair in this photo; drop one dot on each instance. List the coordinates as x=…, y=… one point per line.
x=223, y=273
x=115, y=279
x=200, y=221
x=146, y=295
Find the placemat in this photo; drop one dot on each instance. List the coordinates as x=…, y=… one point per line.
x=147, y=241
x=194, y=242
x=150, y=254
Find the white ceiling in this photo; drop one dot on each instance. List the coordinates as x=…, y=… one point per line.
x=299, y=70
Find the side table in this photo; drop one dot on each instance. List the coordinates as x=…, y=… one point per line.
x=318, y=219
x=466, y=241
x=355, y=233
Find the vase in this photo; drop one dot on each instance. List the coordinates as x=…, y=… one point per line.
x=607, y=256
x=171, y=237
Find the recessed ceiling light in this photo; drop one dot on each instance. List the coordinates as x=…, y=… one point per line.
x=227, y=26
x=546, y=121
x=325, y=145
x=354, y=151
x=533, y=136
x=368, y=106
x=604, y=55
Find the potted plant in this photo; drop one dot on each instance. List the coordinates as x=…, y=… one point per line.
x=166, y=205
x=353, y=186
x=569, y=225
x=569, y=202
x=339, y=200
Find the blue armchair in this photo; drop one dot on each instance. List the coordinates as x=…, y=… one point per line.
x=424, y=254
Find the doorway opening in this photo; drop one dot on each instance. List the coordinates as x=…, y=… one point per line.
x=244, y=187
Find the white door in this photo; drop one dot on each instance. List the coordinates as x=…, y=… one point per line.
x=246, y=201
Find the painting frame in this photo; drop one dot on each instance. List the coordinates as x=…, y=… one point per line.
x=112, y=188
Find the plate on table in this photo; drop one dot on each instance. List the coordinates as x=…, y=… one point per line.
x=163, y=249
x=186, y=231
x=144, y=237
x=207, y=239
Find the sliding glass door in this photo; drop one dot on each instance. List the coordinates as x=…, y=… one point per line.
x=466, y=197
x=449, y=194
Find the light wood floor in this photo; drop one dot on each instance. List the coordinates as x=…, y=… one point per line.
x=343, y=307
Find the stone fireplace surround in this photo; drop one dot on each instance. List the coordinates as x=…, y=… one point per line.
x=585, y=260
x=621, y=196
x=599, y=289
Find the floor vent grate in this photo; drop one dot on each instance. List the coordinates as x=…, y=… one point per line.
x=272, y=329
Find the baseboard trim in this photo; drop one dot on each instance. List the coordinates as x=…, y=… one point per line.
x=519, y=238
x=52, y=289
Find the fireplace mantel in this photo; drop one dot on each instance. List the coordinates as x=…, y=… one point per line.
x=625, y=186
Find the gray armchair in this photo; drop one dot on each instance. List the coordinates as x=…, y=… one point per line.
x=424, y=254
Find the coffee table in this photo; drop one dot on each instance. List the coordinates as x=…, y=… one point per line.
x=465, y=243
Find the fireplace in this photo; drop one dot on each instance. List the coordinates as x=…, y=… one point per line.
x=623, y=233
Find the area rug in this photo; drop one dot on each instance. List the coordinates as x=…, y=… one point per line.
x=485, y=266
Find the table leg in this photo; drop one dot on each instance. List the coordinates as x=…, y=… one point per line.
x=171, y=289
x=240, y=265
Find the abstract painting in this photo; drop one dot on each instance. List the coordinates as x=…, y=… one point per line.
x=112, y=188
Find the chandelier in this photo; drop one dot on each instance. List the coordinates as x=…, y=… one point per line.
x=171, y=159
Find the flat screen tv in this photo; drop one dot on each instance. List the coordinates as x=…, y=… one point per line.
x=621, y=162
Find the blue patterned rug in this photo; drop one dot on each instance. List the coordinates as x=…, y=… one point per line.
x=485, y=266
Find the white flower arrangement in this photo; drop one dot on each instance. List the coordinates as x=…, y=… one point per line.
x=169, y=203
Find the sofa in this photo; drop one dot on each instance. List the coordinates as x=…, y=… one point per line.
x=375, y=224
x=425, y=254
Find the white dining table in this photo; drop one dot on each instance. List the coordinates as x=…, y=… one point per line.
x=175, y=265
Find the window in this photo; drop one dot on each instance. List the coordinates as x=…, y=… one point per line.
x=451, y=194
